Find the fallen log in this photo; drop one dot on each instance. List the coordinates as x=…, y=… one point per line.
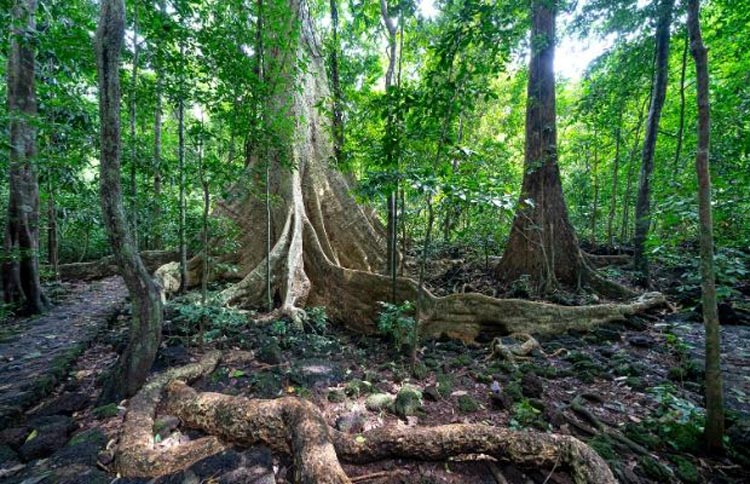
x=106, y=266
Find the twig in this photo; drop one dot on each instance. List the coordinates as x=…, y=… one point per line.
x=554, y=467
x=497, y=474
x=374, y=475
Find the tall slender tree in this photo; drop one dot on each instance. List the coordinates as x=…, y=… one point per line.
x=21, y=282
x=658, y=96
x=145, y=326
x=714, y=430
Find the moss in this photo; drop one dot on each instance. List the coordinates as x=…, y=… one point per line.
x=513, y=390
x=106, y=411
x=94, y=436
x=461, y=361
x=483, y=378
x=420, y=371
x=444, y=384
x=336, y=396
x=467, y=404
x=604, y=446
x=408, y=401
x=356, y=387
x=378, y=402
x=686, y=470
x=654, y=469
x=640, y=435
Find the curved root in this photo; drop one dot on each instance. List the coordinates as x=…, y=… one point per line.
x=136, y=455
x=296, y=427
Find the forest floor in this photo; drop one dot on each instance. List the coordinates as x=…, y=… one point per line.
x=632, y=390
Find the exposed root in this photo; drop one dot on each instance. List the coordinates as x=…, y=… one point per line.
x=136, y=455
x=296, y=427
x=513, y=352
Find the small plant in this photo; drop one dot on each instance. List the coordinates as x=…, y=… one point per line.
x=220, y=323
x=317, y=319
x=678, y=421
x=396, y=322
x=524, y=415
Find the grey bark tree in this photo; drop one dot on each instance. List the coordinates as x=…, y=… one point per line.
x=714, y=430
x=658, y=96
x=145, y=326
x=21, y=282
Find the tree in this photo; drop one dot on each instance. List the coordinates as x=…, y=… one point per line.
x=21, y=282
x=658, y=95
x=145, y=327
x=542, y=243
x=714, y=430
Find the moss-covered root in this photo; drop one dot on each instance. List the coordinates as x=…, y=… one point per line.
x=296, y=427
x=136, y=455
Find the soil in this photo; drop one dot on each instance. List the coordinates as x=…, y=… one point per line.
x=631, y=390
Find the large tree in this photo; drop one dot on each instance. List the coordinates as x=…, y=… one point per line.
x=145, y=327
x=658, y=96
x=21, y=283
x=543, y=244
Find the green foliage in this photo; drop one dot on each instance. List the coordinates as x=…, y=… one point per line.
x=221, y=324
x=396, y=322
x=526, y=415
x=677, y=421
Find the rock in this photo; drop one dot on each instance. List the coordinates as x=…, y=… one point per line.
x=357, y=387
x=467, y=404
x=378, y=402
x=531, y=385
x=164, y=425
x=270, y=353
x=65, y=404
x=8, y=458
x=351, y=423
x=336, y=396
x=48, y=434
x=83, y=448
x=431, y=393
x=642, y=341
x=253, y=466
x=316, y=373
x=739, y=437
x=79, y=474
x=14, y=436
x=408, y=401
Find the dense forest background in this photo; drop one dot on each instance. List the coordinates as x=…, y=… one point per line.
x=459, y=82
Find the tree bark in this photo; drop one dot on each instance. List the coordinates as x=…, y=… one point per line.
x=133, y=141
x=714, y=430
x=21, y=283
x=337, y=111
x=156, y=214
x=145, y=327
x=658, y=96
x=615, y=174
x=181, y=168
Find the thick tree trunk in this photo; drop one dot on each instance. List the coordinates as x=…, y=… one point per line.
x=714, y=430
x=337, y=111
x=658, y=95
x=20, y=269
x=543, y=244
x=145, y=327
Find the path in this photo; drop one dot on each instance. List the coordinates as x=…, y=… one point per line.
x=34, y=359
x=735, y=360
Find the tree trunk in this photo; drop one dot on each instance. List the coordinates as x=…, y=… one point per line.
x=337, y=120
x=643, y=201
x=681, y=129
x=133, y=140
x=615, y=174
x=625, y=229
x=21, y=282
x=52, y=242
x=595, y=205
x=156, y=225
x=145, y=327
x=542, y=243
x=181, y=168
x=714, y=431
